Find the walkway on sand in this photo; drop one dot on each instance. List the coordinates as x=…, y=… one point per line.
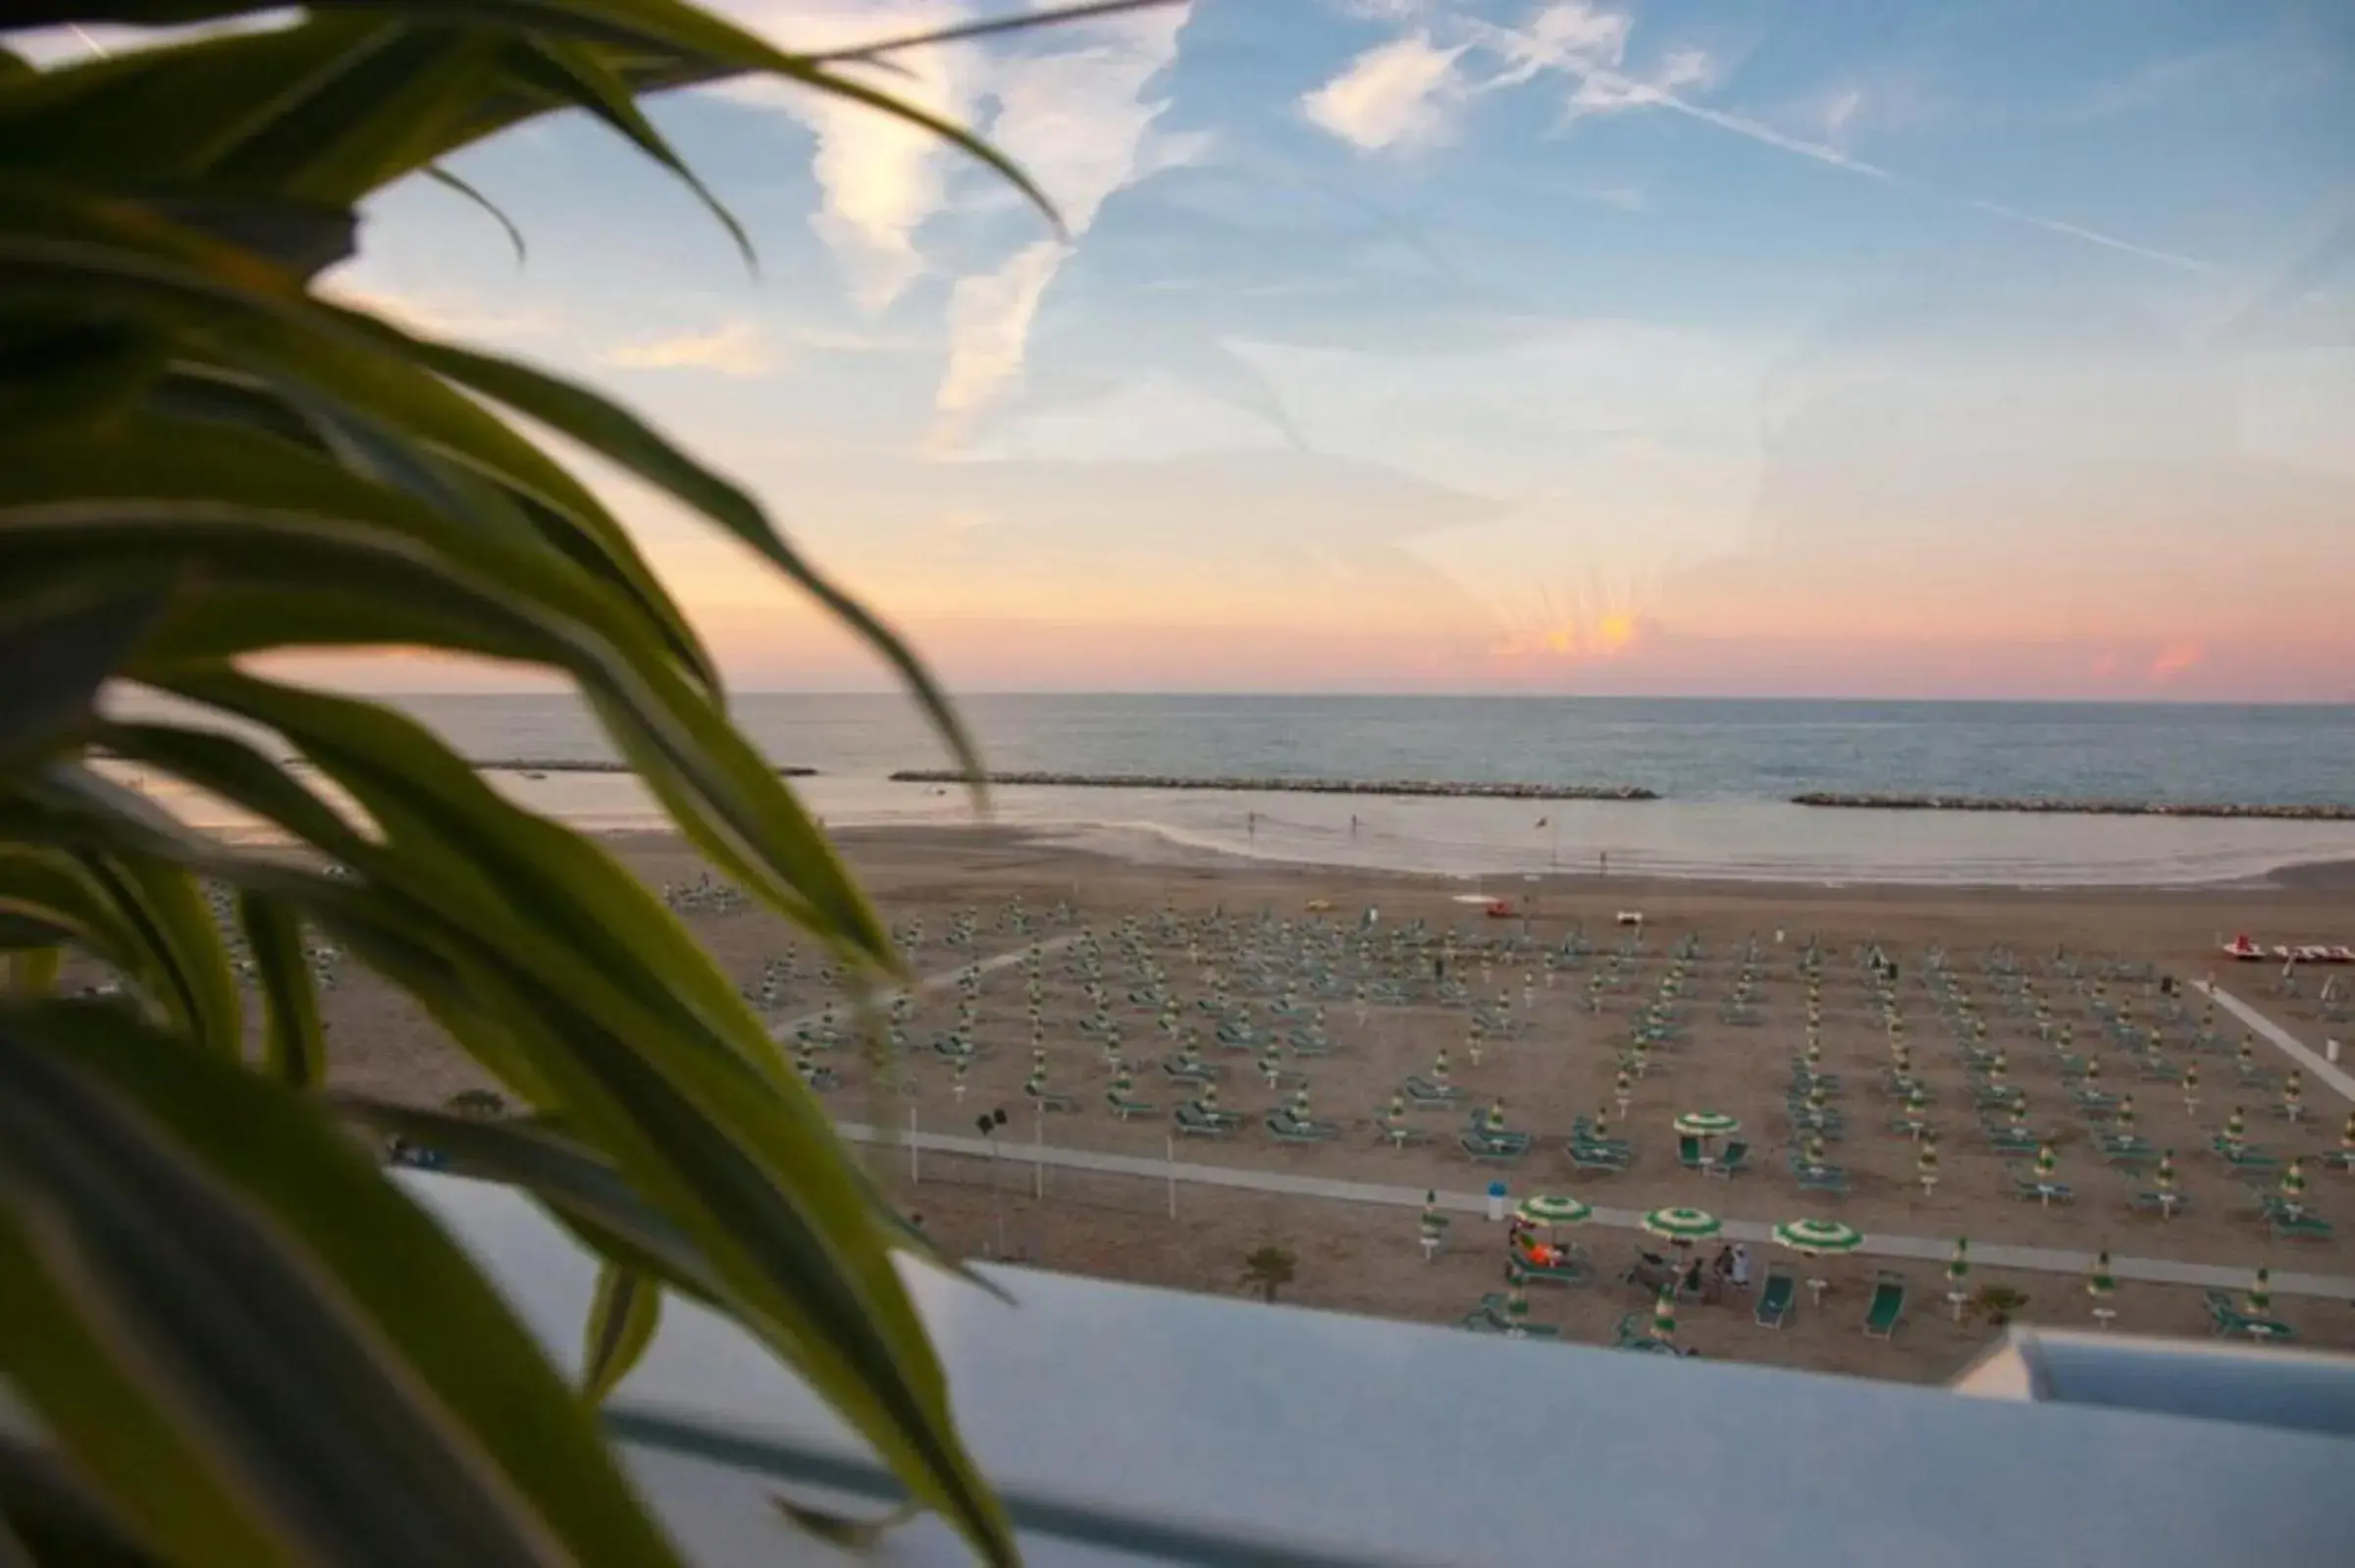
x=1985, y=1255
x=944, y=979
x=2318, y=1068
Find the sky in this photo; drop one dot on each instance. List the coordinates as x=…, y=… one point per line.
x=1823, y=347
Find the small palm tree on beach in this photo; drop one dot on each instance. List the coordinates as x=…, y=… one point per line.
x=1268, y=1271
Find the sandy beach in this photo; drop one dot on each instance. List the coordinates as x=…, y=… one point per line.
x=1189, y=929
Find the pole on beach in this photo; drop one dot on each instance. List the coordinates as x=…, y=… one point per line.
x=1039, y=1153
x=914, y=1175
x=1169, y=1166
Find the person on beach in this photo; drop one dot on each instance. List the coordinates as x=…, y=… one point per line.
x=1741, y=1265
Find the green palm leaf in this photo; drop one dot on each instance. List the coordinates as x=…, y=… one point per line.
x=164, y=1209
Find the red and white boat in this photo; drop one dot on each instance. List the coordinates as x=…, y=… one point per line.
x=2243, y=951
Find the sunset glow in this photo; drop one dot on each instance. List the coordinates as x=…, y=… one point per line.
x=1937, y=350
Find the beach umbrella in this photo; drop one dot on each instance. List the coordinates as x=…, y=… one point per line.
x=2347, y=1140
x=1817, y=1100
x=1438, y=1069
x=2165, y=1176
x=1957, y=1266
x=1813, y=1054
x=1434, y=1222
x=1706, y=1124
x=2046, y=1162
x=1926, y=1163
x=957, y=1071
x=1623, y=1086
x=2293, y=1182
x=2293, y=1089
x=2244, y=1055
x=1516, y=1307
x=1813, y=1236
x=2093, y=1071
x=1121, y=1082
x=2235, y=1125
x=2124, y=1118
x=1684, y=1227
x=2261, y=1292
x=1814, y=1149
x=1398, y=1108
x=1208, y=1099
x=1551, y=1210
x=1300, y=1102
x=1663, y=1315
x=1995, y=1071
x=1496, y=1115
x=2101, y=1285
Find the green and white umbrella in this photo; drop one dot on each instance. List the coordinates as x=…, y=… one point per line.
x=1434, y=1222
x=2101, y=1284
x=1208, y=1099
x=1816, y=1149
x=1683, y=1227
x=1398, y=1108
x=1300, y=1102
x=2093, y=1071
x=2261, y=1291
x=1121, y=1082
x=1439, y=1070
x=1814, y=1056
x=1916, y=1102
x=1813, y=1236
x=2293, y=1181
x=2046, y=1162
x=2347, y=1137
x=2293, y=1089
x=1958, y=1266
x=2124, y=1118
x=2165, y=1176
x=1663, y=1315
x=1550, y=1211
x=1496, y=1115
x=1926, y=1163
x=1706, y=1124
x=1623, y=1084
x=2235, y=1125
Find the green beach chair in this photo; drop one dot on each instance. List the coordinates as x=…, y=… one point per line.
x=1192, y=1123
x=1887, y=1307
x=2297, y=1225
x=1289, y=1128
x=1778, y=1297
x=1604, y=1161
x=2226, y=1319
x=1731, y=1163
x=1567, y=1272
x=1489, y=1151
x=1124, y=1107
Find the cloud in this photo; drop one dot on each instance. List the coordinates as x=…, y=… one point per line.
x=732, y=349
x=1076, y=113
x=1406, y=92
x=989, y=325
x=2176, y=659
x=878, y=177
x=1397, y=95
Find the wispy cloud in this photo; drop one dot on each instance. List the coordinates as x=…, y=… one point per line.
x=1397, y=95
x=1078, y=112
x=1588, y=44
x=878, y=177
x=732, y=349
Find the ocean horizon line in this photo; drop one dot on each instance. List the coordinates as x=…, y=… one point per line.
x=2138, y=704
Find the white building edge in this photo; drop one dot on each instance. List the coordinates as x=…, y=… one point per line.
x=1125, y=1425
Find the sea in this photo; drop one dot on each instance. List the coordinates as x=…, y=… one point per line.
x=1724, y=769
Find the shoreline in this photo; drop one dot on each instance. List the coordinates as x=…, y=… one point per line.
x=2064, y=805
x=2327, y=877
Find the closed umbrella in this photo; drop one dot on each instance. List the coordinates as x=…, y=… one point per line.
x=2046, y=1162
x=2101, y=1285
x=1663, y=1315
x=2294, y=1182
x=1439, y=1070
x=1958, y=1270
x=2123, y=1119
x=1496, y=1116
x=2164, y=1178
x=2237, y=1125
x=2293, y=1091
x=1926, y=1164
x=2261, y=1292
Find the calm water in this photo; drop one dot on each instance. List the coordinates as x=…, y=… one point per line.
x=1724, y=766
x=1687, y=750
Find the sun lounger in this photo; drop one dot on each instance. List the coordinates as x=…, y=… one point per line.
x=2150, y=1201
x=2027, y=1185
x=1777, y=1300
x=1049, y=1100
x=1488, y=1151
x=2298, y=1224
x=1587, y=1157
x=1192, y=1123
x=1124, y=1107
x=2245, y=1157
x=1196, y=1071
x=1887, y=1308
x=2003, y=1140
x=1688, y=1153
x=1519, y=1270
x=2224, y=1318
x=1290, y=1128
x=1731, y=1162
x=1425, y=1093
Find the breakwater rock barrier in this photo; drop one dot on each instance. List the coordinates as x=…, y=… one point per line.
x=2076, y=808
x=1292, y=786
x=533, y=764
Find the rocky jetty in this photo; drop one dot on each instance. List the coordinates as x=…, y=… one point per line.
x=528, y=764
x=1294, y=786
x=2076, y=808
